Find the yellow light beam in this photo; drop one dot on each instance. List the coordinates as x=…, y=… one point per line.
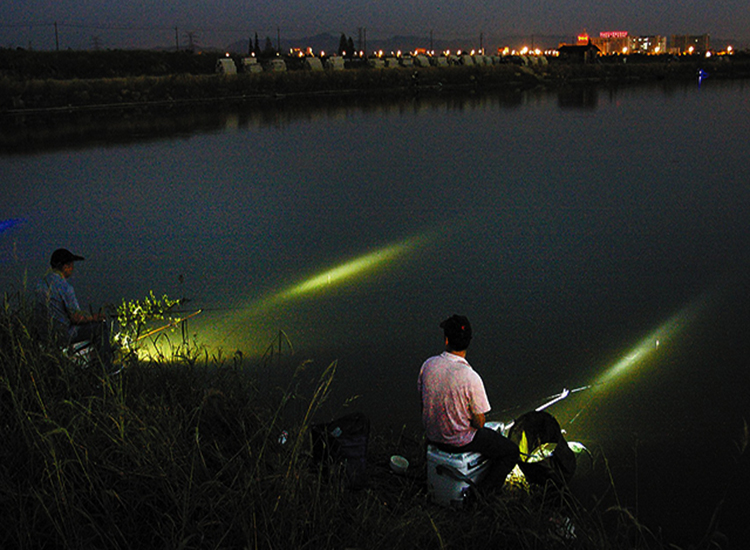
x=317, y=283
x=671, y=328
x=346, y=270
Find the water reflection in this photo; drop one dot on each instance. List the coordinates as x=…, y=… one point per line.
x=578, y=98
x=24, y=134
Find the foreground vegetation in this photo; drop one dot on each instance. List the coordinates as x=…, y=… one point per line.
x=184, y=451
x=73, y=81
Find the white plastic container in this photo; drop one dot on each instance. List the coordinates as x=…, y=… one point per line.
x=449, y=475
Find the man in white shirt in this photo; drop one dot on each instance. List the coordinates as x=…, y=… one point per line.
x=454, y=405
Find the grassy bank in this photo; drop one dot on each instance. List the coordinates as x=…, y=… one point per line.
x=184, y=452
x=72, y=81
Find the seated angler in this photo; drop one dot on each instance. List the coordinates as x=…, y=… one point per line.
x=57, y=304
x=454, y=405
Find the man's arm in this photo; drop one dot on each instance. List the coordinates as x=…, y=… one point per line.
x=477, y=420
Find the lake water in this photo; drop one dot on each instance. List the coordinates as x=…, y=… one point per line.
x=580, y=231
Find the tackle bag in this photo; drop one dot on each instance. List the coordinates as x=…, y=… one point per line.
x=343, y=443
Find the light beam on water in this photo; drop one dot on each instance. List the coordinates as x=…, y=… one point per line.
x=636, y=358
x=641, y=358
x=249, y=318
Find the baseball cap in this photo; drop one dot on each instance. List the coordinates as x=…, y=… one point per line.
x=457, y=330
x=62, y=256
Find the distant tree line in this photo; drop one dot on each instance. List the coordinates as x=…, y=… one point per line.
x=268, y=49
x=345, y=49
x=346, y=46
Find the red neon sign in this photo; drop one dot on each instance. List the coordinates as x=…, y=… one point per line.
x=613, y=34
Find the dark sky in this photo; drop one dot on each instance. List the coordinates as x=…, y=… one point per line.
x=123, y=23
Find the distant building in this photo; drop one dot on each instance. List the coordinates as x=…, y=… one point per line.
x=654, y=44
x=620, y=42
x=613, y=42
x=579, y=53
x=683, y=43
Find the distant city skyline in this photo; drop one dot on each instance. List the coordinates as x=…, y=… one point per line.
x=150, y=23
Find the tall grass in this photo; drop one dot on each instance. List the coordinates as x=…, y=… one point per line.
x=184, y=452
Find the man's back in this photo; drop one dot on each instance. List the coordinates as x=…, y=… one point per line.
x=451, y=393
x=55, y=299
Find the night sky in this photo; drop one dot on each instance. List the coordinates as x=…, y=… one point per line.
x=126, y=23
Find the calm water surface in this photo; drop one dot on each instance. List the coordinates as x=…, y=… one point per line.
x=569, y=227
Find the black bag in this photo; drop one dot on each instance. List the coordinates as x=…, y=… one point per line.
x=535, y=429
x=343, y=442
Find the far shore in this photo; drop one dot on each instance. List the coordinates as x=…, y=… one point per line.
x=48, y=88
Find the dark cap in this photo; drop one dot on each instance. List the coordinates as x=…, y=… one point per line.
x=457, y=330
x=62, y=256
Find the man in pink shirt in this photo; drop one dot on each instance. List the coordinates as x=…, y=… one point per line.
x=454, y=405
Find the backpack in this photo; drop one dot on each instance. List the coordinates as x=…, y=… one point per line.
x=343, y=443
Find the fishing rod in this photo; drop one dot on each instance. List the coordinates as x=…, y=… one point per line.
x=560, y=396
x=551, y=400
x=173, y=323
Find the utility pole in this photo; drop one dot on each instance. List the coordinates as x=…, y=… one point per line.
x=176, y=39
x=278, y=40
x=57, y=39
